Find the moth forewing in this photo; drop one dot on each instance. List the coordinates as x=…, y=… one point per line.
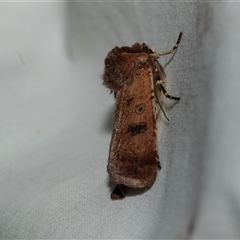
x=133, y=159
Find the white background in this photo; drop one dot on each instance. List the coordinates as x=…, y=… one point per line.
x=56, y=120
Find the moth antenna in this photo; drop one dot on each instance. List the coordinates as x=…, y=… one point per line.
x=157, y=55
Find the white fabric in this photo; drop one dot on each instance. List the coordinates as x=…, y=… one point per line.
x=56, y=121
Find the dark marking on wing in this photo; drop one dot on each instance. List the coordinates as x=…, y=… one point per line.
x=129, y=101
x=139, y=109
x=137, y=128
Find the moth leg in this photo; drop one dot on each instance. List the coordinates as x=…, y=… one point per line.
x=160, y=83
x=159, y=104
x=118, y=192
x=161, y=109
x=157, y=55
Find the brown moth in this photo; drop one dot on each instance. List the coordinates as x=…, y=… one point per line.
x=134, y=75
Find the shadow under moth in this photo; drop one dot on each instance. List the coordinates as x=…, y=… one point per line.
x=134, y=75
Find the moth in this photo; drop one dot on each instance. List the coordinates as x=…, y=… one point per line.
x=134, y=75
